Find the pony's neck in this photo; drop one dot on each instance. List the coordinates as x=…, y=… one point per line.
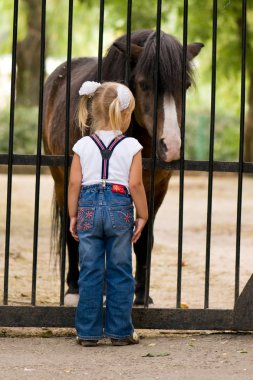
x=141, y=134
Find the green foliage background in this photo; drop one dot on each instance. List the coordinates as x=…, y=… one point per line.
x=85, y=42
x=25, y=131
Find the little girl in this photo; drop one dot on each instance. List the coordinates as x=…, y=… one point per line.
x=105, y=177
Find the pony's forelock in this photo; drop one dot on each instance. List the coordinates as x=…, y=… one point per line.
x=170, y=63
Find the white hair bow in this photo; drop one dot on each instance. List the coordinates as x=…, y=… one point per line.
x=88, y=88
x=124, y=96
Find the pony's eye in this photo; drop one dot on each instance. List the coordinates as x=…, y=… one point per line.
x=188, y=84
x=144, y=85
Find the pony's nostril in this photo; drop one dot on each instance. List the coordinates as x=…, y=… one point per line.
x=163, y=146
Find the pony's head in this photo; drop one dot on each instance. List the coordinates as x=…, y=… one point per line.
x=143, y=51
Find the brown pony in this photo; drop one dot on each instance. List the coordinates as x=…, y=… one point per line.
x=143, y=49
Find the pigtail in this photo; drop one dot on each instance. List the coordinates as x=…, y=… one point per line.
x=87, y=90
x=83, y=113
x=115, y=115
x=109, y=102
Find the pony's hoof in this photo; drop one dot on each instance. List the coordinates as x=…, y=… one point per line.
x=71, y=299
x=139, y=300
x=73, y=289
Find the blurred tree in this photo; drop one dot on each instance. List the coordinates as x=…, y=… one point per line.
x=86, y=21
x=85, y=40
x=229, y=50
x=28, y=56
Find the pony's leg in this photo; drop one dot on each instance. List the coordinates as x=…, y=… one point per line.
x=141, y=246
x=71, y=296
x=73, y=272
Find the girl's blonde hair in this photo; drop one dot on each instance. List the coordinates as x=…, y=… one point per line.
x=105, y=108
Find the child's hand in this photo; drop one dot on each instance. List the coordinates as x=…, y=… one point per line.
x=139, y=225
x=72, y=227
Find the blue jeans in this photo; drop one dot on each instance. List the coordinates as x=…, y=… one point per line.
x=105, y=226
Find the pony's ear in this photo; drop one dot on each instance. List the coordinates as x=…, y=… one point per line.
x=136, y=50
x=194, y=49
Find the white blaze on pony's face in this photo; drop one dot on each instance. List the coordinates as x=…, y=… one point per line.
x=168, y=120
x=169, y=142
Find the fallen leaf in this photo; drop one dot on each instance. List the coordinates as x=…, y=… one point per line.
x=3, y=332
x=153, y=355
x=47, y=334
x=184, y=306
x=242, y=352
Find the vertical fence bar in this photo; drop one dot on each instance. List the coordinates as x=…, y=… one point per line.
x=181, y=190
x=240, y=173
x=100, y=40
x=128, y=55
x=153, y=166
x=38, y=159
x=211, y=150
x=66, y=154
x=10, y=153
x=128, y=41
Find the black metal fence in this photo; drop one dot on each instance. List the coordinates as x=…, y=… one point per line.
x=241, y=317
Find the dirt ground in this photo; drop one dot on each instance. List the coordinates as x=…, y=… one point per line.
x=160, y=355
x=53, y=354
x=164, y=257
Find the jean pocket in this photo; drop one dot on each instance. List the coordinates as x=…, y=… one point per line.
x=85, y=218
x=122, y=217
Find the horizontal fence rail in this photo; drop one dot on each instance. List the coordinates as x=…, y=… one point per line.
x=189, y=165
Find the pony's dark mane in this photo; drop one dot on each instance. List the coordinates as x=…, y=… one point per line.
x=170, y=65
x=114, y=63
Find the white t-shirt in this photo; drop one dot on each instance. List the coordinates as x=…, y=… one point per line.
x=119, y=163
